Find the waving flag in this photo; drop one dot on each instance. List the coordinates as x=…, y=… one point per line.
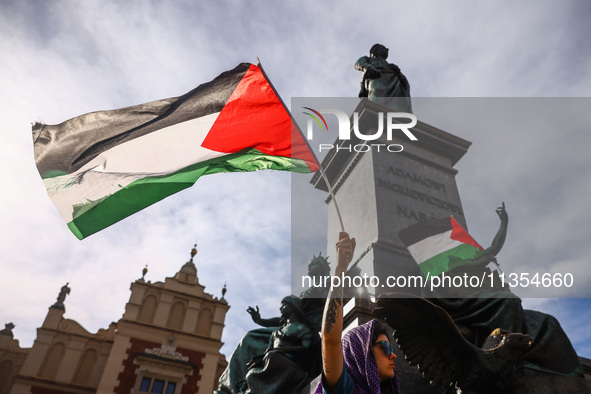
x=101, y=167
x=439, y=245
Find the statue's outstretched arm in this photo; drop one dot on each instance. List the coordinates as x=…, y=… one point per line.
x=256, y=317
x=498, y=241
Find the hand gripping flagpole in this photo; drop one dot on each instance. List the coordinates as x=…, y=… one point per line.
x=330, y=190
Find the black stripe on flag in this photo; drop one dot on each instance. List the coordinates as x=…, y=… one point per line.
x=70, y=145
x=419, y=231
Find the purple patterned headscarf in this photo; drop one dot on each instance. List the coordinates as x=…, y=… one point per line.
x=361, y=363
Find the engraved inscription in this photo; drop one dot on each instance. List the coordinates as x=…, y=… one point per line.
x=410, y=213
x=416, y=195
x=417, y=179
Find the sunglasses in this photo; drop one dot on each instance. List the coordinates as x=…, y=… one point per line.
x=386, y=347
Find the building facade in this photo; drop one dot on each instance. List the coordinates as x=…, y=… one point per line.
x=167, y=341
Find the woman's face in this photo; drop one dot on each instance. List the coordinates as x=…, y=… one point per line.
x=385, y=363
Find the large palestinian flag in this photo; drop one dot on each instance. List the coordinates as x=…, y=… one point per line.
x=440, y=245
x=101, y=167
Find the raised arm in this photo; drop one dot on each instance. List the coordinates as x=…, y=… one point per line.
x=256, y=317
x=332, y=321
x=497, y=243
x=499, y=240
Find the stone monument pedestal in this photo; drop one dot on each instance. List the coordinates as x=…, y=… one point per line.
x=381, y=190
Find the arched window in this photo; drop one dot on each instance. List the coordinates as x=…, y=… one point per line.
x=85, y=367
x=204, y=322
x=52, y=361
x=176, y=316
x=148, y=310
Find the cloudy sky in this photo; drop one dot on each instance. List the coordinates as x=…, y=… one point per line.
x=60, y=59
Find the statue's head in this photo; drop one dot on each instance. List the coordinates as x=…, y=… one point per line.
x=291, y=305
x=318, y=266
x=378, y=50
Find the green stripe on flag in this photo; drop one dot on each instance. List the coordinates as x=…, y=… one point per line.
x=450, y=259
x=96, y=215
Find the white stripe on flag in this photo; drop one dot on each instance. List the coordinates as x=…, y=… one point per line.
x=159, y=153
x=432, y=246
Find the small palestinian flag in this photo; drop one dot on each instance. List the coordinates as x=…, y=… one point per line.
x=440, y=245
x=101, y=167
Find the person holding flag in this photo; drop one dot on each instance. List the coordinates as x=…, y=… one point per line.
x=363, y=361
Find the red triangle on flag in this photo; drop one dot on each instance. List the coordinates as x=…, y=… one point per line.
x=459, y=234
x=254, y=117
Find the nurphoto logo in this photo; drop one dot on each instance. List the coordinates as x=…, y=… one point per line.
x=345, y=128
